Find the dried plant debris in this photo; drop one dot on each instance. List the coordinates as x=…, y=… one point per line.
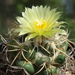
x=11, y=51
x=8, y=67
x=71, y=50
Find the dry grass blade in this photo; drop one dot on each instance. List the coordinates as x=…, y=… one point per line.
x=12, y=50
x=15, y=58
x=41, y=68
x=3, y=39
x=24, y=57
x=45, y=49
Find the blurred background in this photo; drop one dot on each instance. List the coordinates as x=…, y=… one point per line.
x=9, y=9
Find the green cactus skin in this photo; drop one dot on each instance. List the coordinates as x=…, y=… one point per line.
x=47, y=71
x=30, y=56
x=27, y=66
x=60, y=59
x=41, y=60
x=57, y=71
x=53, y=69
x=51, y=66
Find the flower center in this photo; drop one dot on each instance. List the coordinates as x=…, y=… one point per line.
x=40, y=24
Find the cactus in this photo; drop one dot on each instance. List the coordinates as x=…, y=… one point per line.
x=39, y=51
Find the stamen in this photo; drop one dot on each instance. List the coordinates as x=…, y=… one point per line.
x=41, y=24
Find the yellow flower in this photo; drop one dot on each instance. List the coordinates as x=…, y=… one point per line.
x=39, y=21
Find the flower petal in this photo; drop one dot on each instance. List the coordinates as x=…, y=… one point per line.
x=39, y=21
x=30, y=36
x=59, y=31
